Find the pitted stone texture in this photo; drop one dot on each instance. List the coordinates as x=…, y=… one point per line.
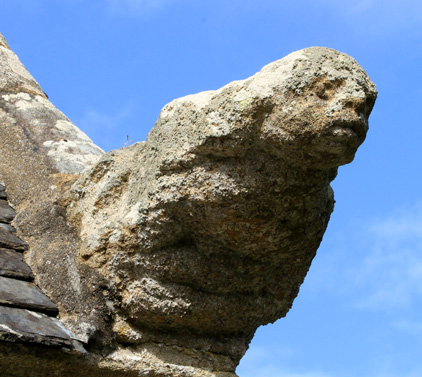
x=185, y=243
x=67, y=149
x=13, y=75
x=17, y=360
x=208, y=228
x=22, y=101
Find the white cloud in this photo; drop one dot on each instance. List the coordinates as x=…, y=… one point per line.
x=374, y=265
x=267, y=353
x=390, y=275
x=269, y=360
x=105, y=128
x=403, y=224
x=410, y=327
x=96, y=120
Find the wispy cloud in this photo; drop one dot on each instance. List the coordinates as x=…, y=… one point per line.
x=402, y=224
x=270, y=360
x=105, y=128
x=375, y=265
x=391, y=272
x=260, y=354
x=411, y=327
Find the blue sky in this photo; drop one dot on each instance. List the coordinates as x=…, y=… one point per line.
x=111, y=65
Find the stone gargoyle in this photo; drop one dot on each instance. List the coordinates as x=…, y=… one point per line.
x=165, y=256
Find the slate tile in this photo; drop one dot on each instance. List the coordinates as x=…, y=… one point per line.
x=22, y=294
x=7, y=213
x=10, y=241
x=21, y=325
x=12, y=265
x=3, y=195
x=2, y=188
x=7, y=227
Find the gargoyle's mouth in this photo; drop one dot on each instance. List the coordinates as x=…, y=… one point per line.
x=347, y=129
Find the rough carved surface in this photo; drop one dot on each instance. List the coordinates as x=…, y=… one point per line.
x=174, y=250
x=209, y=227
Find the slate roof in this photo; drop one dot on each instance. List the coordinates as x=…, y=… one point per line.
x=27, y=315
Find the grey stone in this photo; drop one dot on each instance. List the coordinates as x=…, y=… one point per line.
x=10, y=241
x=7, y=213
x=26, y=295
x=28, y=326
x=12, y=265
x=7, y=227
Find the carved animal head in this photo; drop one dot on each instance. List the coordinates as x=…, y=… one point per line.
x=320, y=118
x=310, y=109
x=210, y=226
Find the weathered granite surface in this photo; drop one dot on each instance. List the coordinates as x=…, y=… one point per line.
x=164, y=257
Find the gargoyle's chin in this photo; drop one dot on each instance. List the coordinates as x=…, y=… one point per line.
x=337, y=144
